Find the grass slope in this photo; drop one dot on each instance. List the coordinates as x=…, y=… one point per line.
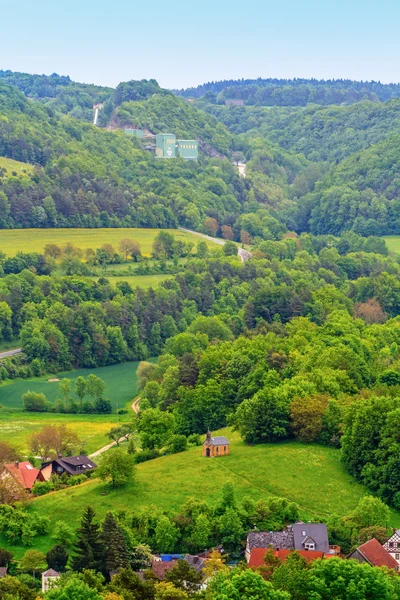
x=143, y=281
x=13, y=167
x=392, y=242
x=34, y=240
x=311, y=475
x=120, y=381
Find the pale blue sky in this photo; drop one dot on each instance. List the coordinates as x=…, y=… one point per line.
x=185, y=42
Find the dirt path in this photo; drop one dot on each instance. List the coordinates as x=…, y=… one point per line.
x=135, y=405
x=10, y=352
x=244, y=254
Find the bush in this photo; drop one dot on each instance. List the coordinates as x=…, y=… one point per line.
x=194, y=439
x=145, y=455
x=178, y=444
x=34, y=402
x=42, y=487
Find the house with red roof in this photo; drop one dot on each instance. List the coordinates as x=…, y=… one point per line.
x=257, y=555
x=374, y=554
x=23, y=473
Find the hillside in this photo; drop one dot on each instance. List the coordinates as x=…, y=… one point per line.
x=360, y=193
x=294, y=92
x=287, y=470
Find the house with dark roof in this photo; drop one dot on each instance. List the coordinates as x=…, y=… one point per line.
x=72, y=465
x=311, y=536
x=299, y=536
x=215, y=446
x=374, y=554
x=23, y=473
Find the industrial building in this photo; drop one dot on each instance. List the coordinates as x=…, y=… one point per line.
x=167, y=146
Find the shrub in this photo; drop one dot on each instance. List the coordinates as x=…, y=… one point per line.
x=145, y=455
x=34, y=402
x=178, y=444
x=42, y=487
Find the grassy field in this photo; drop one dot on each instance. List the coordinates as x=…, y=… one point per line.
x=310, y=475
x=120, y=381
x=393, y=242
x=14, y=166
x=143, y=281
x=17, y=428
x=34, y=240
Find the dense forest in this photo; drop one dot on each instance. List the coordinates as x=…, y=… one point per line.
x=294, y=92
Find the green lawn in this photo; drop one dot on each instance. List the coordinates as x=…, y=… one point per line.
x=143, y=281
x=310, y=475
x=14, y=166
x=120, y=381
x=34, y=240
x=393, y=242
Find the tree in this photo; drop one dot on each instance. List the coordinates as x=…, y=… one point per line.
x=231, y=529
x=163, y=245
x=52, y=250
x=95, y=387
x=227, y=232
x=201, y=535
x=8, y=453
x=246, y=238
x=88, y=547
x=118, y=467
x=130, y=247
x=239, y=584
x=306, y=415
x=32, y=561
x=213, y=327
x=65, y=389
x=230, y=248
x=123, y=431
x=263, y=418
x=202, y=249
x=116, y=555
x=73, y=589
x=141, y=557
x=56, y=440
x=155, y=428
x=80, y=390
x=6, y=557
x=185, y=577
x=62, y=534
x=11, y=588
x=167, y=591
x=57, y=558
x=166, y=535
x=211, y=226
x=34, y=402
x=371, y=512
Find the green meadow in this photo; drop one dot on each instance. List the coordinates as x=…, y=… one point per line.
x=34, y=240
x=310, y=475
x=12, y=167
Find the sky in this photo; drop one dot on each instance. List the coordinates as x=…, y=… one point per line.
x=183, y=43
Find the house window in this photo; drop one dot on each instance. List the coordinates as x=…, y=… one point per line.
x=397, y=556
x=310, y=546
x=225, y=449
x=59, y=469
x=217, y=449
x=398, y=544
x=303, y=532
x=390, y=544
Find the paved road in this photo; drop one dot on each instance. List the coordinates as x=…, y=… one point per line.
x=10, y=352
x=244, y=254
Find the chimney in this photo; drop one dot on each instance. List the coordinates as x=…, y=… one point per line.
x=17, y=463
x=59, y=455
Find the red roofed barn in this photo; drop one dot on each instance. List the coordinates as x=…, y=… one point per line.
x=374, y=554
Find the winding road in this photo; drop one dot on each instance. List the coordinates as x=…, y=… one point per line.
x=244, y=254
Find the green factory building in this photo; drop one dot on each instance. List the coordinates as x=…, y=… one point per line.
x=167, y=146
x=136, y=132
x=188, y=149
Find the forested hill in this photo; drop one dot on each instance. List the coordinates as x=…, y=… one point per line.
x=294, y=92
x=86, y=176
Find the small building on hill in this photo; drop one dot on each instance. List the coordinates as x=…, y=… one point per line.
x=49, y=579
x=24, y=474
x=215, y=446
x=72, y=465
x=374, y=554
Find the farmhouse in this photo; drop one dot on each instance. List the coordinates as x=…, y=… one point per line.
x=23, y=473
x=49, y=579
x=374, y=554
x=299, y=536
x=72, y=465
x=257, y=556
x=215, y=446
x=393, y=545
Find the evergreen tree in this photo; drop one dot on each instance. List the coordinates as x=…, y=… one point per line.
x=116, y=555
x=88, y=546
x=57, y=558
